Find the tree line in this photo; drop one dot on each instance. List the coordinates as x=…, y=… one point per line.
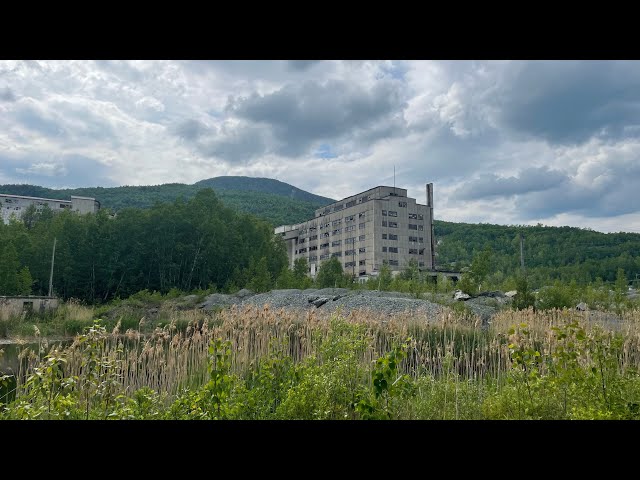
x=185, y=245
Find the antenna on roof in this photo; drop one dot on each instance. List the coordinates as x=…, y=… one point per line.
x=394, y=179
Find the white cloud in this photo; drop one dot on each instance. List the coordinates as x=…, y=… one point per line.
x=494, y=129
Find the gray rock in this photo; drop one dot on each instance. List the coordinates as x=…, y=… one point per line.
x=581, y=306
x=459, y=295
x=320, y=301
x=511, y=293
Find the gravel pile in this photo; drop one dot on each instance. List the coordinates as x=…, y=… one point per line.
x=329, y=299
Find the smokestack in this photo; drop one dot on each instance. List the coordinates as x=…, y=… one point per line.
x=430, y=225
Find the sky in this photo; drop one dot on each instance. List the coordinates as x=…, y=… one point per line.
x=504, y=142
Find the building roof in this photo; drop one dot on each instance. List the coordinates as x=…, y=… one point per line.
x=34, y=198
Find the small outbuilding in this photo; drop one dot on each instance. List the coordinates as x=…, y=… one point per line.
x=31, y=303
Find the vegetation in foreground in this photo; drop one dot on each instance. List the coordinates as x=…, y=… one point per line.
x=263, y=364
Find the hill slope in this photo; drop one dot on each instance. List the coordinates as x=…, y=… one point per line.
x=272, y=200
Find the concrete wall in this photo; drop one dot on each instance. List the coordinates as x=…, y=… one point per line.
x=16, y=305
x=358, y=229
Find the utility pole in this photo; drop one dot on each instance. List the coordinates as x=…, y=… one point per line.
x=53, y=257
x=522, y=252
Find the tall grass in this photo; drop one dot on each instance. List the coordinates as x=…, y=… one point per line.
x=448, y=345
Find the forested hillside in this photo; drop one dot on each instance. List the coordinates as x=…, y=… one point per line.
x=564, y=253
x=274, y=201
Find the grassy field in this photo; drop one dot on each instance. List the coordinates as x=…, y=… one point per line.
x=257, y=363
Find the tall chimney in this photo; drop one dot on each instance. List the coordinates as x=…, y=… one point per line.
x=430, y=226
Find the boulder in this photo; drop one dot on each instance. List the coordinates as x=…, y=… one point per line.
x=511, y=293
x=320, y=301
x=460, y=295
x=581, y=306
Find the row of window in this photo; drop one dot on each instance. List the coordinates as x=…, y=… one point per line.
x=390, y=213
x=413, y=251
x=346, y=253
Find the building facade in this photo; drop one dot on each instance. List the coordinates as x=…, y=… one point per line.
x=15, y=205
x=380, y=225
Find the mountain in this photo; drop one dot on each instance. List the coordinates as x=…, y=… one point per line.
x=272, y=200
x=265, y=185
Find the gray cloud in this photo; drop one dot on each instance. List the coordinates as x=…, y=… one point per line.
x=239, y=144
x=301, y=65
x=489, y=185
x=302, y=114
x=59, y=172
x=40, y=122
x=570, y=101
x=7, y=95
x=190, y=129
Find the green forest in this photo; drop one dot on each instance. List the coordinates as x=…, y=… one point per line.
x=186, y=245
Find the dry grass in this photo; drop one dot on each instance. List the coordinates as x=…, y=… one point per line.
x=447, y=344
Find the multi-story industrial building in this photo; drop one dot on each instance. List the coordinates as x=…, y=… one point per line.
x=379, y=225
x=15, y=205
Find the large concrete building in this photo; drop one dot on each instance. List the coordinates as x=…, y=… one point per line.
x=379, y=225
x=15, y=205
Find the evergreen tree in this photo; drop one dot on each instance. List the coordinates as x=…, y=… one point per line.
x=24, y=281
x=9, y=265
x=330, y=273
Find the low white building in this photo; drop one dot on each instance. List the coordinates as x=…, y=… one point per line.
x=16, y=205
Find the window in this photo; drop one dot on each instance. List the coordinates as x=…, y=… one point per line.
x=384, y=249
x=313, y=237
x=362, y=250
x=420, y=227
x=402, y=204
x=361, y=226
x=384, y=236
x=336, y=231
x=336, y=243
x=338, y=207
x=421, y=240
x=420, y=216
x=421, y=264
x=315, y=247
x=361, y=238
x=27, y=306
x=350, y=240
x=336, y=254
x=384, y=213
x=324, y=256
x=350, y=228
x=349, y=252
x=384, y=223
x=350, y=218
x=361, y=215
x=336, y=223
x=362, y=262
x=393, y=262
x=393, y=249
x=302, y=240
x=313, y=258
x=413, y=227
x=351, y=203
x=421, y=251
x=413, y=251
x=350, y=264
x=302, y=250
x=64, y=206
x=413, y=216
x=393, y=237
x=393, y=214
x=325, y=245
x=413, y=239
x=325, y=234
x=393, y=224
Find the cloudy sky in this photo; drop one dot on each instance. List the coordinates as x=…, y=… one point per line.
x=506, y=142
